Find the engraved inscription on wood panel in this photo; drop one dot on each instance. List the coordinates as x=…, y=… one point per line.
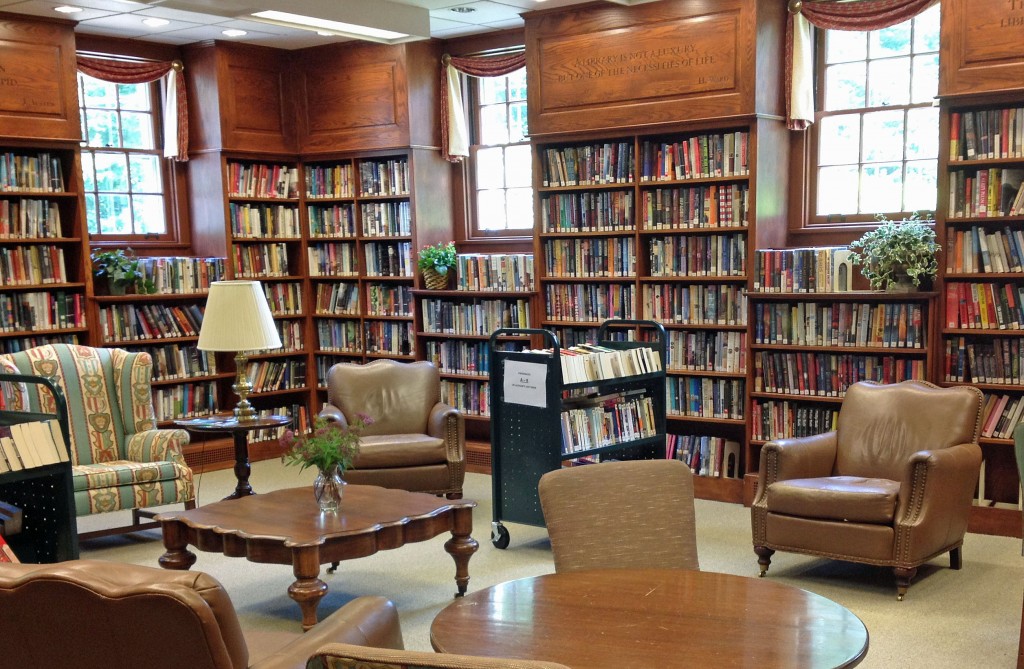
x=258, y=101
x=996, y=31
x=356, y=96
x=30, y=79
x=657, y=60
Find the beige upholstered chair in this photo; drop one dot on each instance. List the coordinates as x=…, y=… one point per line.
x=416, y=442
x=347, y=656
x=891, y=486
x=91, y=614
x=631, y=514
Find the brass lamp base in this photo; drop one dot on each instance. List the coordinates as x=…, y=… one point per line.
x=242, y=387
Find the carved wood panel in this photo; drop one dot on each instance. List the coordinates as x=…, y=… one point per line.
x=982, y=46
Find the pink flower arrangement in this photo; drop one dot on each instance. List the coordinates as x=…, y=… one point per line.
x=326, y=446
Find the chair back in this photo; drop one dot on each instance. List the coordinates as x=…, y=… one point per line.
x=631, y=514
x=398, y=396
x=93, y=614
x=347, y=656
x=108, y=393
x=881, y=425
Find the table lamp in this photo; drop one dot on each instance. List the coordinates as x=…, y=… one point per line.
x=238, y=319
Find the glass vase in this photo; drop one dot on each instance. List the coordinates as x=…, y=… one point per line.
x=328, y=489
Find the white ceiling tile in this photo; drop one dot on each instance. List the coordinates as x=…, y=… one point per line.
x=483, y=12
x=39, y=8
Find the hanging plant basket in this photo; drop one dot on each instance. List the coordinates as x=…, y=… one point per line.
x=434, y=280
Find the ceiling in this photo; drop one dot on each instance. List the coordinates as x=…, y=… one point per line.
x=191, y=21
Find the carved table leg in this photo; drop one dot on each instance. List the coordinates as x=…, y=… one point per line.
x=308, y=589
x=462, y=546
x=903, y=578
x=242, y=466
x=176, y=542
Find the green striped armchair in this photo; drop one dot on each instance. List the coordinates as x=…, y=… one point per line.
x=119, y=459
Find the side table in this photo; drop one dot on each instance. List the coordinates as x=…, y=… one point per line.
x=239, y=430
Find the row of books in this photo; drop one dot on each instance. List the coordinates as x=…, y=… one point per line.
x=983, y=250
x=32, y=265
x=270, y=375
x=605, y=420
x=384, y=177
x=389, y=259
x=291, y=334
x=337, y=298
x=986, y=133
x=500, y=272
x=705, y=397
x=699, y=255
x=179, y=361
x=330, y=180
x=588, y=165
x=181, y=275
x=262, y=181
x=185, y=400
x=334, y=221
x=593, y=362
x=33, y=219
x=133, y=322
x=32, y=312
x=472, y=398
x=995, y=191
x=388, y=337
x=389, y=300
x=38, y=173
x=339, y=336
x=713, y=206
x=715, y=457
x=587, y=211
x=824, y=269
x=386, y=219
x=990, y=305
x=261, y=220
x=255, y=261
x=475, y=316
x=701, y=156
x=882, y=325
x=589, y=302
x=283, y=297
x=452, y=356
x=591, y=257
x=784, y=419
x=300, y=423
x=974, y=361
x=32, y=444
x=695, y=304
x=1000, y=415
x=707, y=350
x=324, y=363
x=829, y=374
x=16, y=344
x=333, y=259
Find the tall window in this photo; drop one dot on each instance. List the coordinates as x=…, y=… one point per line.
x=122, y=164
x=500, y=154
x=877, y=132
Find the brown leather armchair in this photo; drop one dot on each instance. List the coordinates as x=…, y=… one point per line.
x=92, y=614
x=892, y=485
x=416, y=442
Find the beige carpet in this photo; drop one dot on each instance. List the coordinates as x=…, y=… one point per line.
x=969, y=618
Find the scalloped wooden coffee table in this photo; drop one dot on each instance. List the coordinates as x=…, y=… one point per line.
x=286, y=527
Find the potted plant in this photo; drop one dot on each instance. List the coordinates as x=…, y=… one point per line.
x=435, y=262
x=122, y=270
x=897, y=255
x=331, y=448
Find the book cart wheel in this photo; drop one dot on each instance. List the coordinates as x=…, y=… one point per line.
x=499, y=536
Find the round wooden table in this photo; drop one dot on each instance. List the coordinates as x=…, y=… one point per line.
x=620, y=618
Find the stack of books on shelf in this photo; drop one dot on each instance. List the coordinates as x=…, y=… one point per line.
x=606, y=163
x=986, y=133
x=32, y=444
x=474, y=317
x=882, y=325
x=591, y=362
x=995, y=362
x=984, y=250
x=30, y=312
x=701, y=156
x=181, y=275
x=40, y=173
x=263, y=181
x=995, y=191
x=31, y=219
x=705, y=455
x=804, y=270
x=594, y=421
x=1000, y=415
x=260, y=220
x=500, y=272
x=185, y=400
x=972, y=305
x=587, y=211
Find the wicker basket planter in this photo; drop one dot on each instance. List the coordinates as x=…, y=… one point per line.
x=434, y=280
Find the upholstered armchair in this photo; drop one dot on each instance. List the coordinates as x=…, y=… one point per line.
x=119, y=460
x=892, y=485
x=415, y=442
x=91, y=614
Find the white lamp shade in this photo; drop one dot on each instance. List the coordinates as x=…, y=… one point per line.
x=237, y=318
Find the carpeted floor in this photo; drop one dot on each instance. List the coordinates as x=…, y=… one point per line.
x=969, y=618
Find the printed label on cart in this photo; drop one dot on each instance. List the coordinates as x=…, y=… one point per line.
x=525, y=383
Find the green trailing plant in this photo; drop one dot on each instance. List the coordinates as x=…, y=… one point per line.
x=440, y=257
x=897, y=249
x=327, y=445
x=121, y=268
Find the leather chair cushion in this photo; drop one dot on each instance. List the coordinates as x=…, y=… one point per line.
x=399, y=450
x=849, y=498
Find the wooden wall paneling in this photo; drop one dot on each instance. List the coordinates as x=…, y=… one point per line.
x=770, y=146
x=982, y=46
x=423, y=62
x=431, y=199
x=204, y=126
x=207, y=204
x=38, y=85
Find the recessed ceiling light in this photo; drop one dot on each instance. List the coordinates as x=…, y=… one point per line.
x=233, y=32
x=465, y=9
x=324, y=33
x=155, y=23
x=67, y=9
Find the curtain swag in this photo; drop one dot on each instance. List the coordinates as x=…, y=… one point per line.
x=454, y=134
x=175, y=104
x=799, y=61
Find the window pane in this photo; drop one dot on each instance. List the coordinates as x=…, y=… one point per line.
x=98, y=93
x=517, y=85
x=103, y=130
x=492, y=90
x=520, y=208
x=137, y=130
x=881, y=188
x=134, y=96
x=839, y=140
x=923, y=133
x=490, y=209
x=145, y=173
x=843, y=46
x=844, y=86
x=517, y=124
x=926, y=30
x=490, y=168
x=920, y=186
x=883, y=137
x=111, y=172
x=518, y=166
x=493, y=125
x=115, y=215
x=891, y=41
x=91, y=218
x=926, y=78
x=837, y=190
x=88, y=178
x=149, y=214
x=889, y=82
